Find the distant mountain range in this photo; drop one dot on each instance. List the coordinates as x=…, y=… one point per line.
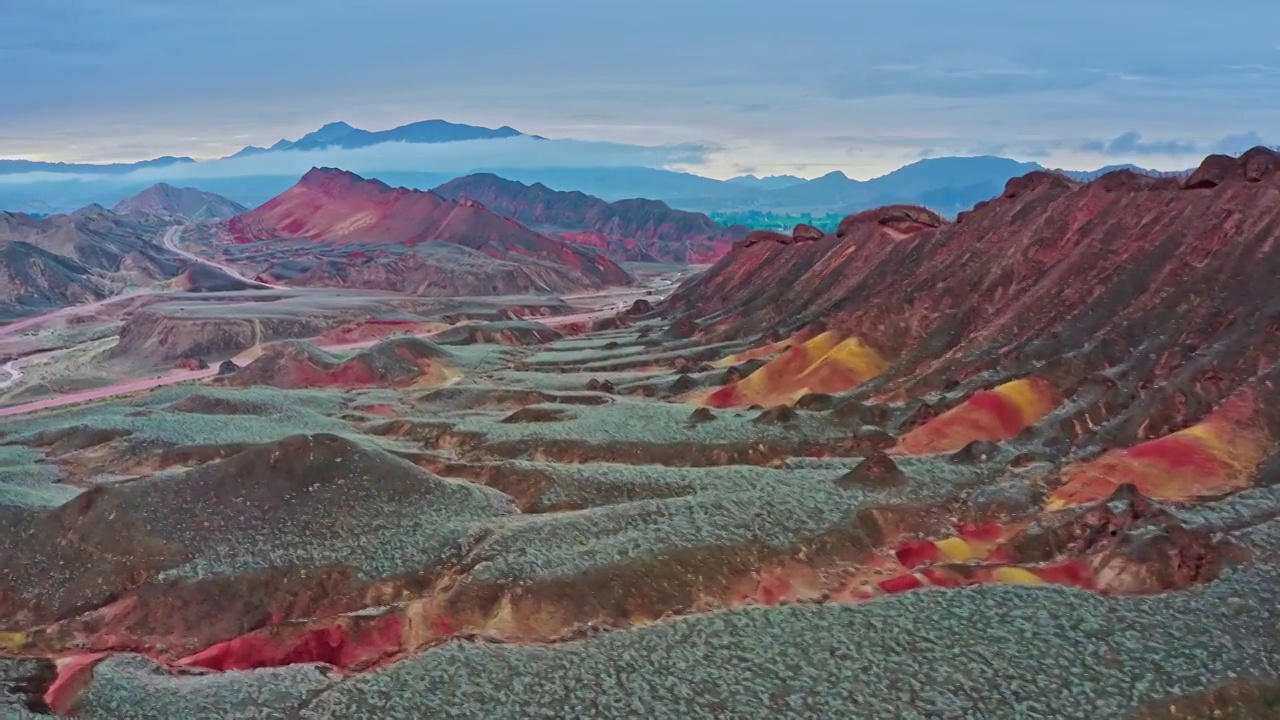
x=947, y=185
x=1087, y=175
x=14, y=167
x=342, y=135
x=772, y=182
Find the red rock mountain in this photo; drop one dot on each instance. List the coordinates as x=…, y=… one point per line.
x=375, y=224
x=640, y=230
x=190, y=203
x=1131, y=322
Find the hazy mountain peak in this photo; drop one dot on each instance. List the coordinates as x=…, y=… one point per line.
x=330, y=131
x=91, y=210
x=344, y=135
x=770, y=182
x=185, y=202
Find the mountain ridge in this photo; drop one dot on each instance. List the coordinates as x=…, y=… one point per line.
x=343, y=135
x=632, y=229
x=947, y=184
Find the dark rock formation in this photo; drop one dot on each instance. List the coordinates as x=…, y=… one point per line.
x=876, y=471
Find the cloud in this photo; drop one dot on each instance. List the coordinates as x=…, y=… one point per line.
x=1236, y=144
x=457, y=158
x=951, y=82
x=929, y=74
x=1131, y=143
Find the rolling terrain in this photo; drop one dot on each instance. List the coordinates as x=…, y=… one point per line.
x=60, y=260
x=1020, y=464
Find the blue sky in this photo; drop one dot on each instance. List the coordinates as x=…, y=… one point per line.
x=803, y=86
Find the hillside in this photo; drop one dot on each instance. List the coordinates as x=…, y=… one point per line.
x=66, y=259
x=1063, y=285
x=343, y=216
x=33, y=280
x=643, y=230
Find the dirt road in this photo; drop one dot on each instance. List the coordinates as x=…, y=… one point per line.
x=170, y=241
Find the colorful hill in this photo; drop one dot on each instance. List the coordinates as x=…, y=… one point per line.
x=349, y=218
x=827, y=363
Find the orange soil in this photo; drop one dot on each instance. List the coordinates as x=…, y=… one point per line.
x=994, y=415
x=827, y=363
x=764, y=351
x=1210, y=458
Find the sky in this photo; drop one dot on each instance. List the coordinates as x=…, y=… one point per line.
x=758, y=86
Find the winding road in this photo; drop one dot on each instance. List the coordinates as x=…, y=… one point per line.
x=177, y=376
x=170, y=241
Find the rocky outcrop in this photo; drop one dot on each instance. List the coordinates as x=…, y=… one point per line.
x=806, y=233
x=904, y=219
x=396, y=361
